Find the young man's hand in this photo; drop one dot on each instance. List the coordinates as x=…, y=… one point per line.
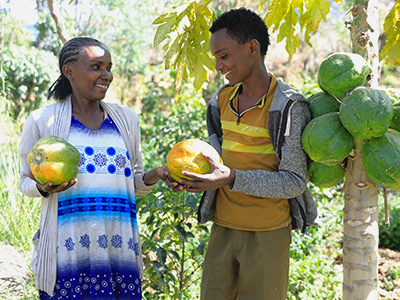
x=219, y=176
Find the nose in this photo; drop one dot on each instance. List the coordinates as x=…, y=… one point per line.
x=107, y=74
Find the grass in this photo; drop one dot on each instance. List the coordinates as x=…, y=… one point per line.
x=314, y=273
x=19, y=216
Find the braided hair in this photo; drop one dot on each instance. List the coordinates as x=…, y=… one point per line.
x=69, y=53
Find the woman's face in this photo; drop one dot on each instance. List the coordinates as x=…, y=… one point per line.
x=90, y=76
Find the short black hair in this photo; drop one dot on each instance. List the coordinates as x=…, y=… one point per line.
x=243, y=25
x=61, y=88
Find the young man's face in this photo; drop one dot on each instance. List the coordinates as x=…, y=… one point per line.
x=235, y=61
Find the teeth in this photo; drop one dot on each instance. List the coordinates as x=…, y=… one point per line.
x=102, y=86
x=227, y=73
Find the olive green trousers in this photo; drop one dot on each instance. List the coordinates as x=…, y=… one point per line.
x=246, y=265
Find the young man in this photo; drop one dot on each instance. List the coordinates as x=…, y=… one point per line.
x=259, y=193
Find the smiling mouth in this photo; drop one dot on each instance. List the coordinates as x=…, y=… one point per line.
x=227, y=73
x=102, y=86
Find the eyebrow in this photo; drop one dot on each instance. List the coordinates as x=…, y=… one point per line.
x=220, y=50
x=99, y=62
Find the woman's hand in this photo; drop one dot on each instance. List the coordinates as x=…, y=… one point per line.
x=219, y=176
x=158, y=173
x=49, y=188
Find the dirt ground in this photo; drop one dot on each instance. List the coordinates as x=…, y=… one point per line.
x=14, y=272
x=389, y=261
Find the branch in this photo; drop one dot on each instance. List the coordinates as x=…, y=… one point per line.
x=57, y=19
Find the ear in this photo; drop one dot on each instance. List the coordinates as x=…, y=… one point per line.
x=67, y=71
x=254, y=47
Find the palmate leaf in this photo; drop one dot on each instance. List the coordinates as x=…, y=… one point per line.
x=186, y=32
x=315, y=12
x=288, y=17
x=198, y=56
x=288, y=31
x=201, y=75
x=391, y=50
x=167, y=24
x=277, y=12
x=172, y=50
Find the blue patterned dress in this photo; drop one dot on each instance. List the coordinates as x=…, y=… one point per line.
x=98, y=250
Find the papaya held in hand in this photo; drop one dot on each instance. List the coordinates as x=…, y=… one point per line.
x=187, y=156
x=53, y=159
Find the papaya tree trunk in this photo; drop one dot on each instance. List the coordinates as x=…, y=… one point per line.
x=361, y=210
x=361, y=233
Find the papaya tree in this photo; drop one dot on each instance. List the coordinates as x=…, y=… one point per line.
x=184, y=36
x=361, y=210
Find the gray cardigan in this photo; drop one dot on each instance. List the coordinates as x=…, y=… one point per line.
x=289, y=114
x=55, y=120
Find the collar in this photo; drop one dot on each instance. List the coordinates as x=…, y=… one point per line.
x=234, y=98
x=234, y=102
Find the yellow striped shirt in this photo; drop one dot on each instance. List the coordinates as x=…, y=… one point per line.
x=247, y=146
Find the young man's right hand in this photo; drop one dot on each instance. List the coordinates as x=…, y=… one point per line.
x=219, y=176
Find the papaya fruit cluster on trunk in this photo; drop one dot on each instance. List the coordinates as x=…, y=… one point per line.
x=345, y=110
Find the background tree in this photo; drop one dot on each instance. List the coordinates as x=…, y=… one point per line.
x=28, y=71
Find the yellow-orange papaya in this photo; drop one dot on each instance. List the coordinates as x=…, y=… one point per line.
x=54, y=159
x=186, y=156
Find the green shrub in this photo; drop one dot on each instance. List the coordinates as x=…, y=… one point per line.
x=314, y=273
x=161, y=130
x=389, y=281
x=173, y=243
x=29, y=73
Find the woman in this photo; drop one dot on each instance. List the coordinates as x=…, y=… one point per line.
x=88, y=245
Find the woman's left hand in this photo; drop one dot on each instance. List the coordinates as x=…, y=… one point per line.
x=50, y=188
x=158, y=173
